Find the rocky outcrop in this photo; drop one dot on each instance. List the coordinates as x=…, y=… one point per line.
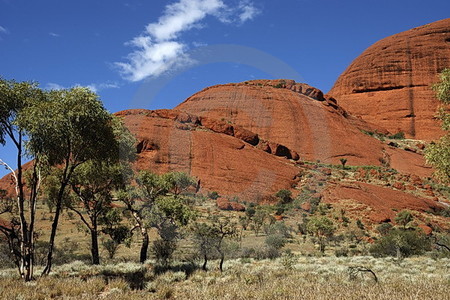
x=379, y=204
x=221, y=155
x=296, y=116
x=389, y=84
x=225, y=204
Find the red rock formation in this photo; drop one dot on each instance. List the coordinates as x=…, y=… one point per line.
x=389, y=84
x=378, y=203
x=301, y=118
x=291, y=114
x=225, y=204
x=176, y=141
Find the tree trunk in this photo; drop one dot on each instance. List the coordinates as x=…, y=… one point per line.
x=51, y=244
x=321, y=245
x=205, y=262
x=222, y=258
x=144, y=247
x=94, y=247
x=24, y=245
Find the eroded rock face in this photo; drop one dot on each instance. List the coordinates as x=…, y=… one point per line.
x=379, y=204
x=292, y=114
x=171, y=140
x=389, y=84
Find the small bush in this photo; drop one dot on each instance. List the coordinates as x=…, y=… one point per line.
x=163, y=251
x=276, y=241
x=398, y=136
x=213, y=195
x=401, y=243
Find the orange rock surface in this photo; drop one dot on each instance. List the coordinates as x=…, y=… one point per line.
x=378, y=203
x=292, y=114
x=389, y=84
x=175, y=141
x=300, y=117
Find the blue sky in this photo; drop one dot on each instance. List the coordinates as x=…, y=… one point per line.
x=154, y=54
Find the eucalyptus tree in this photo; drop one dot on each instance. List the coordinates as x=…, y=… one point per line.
x=71, y=127
x=438, y=153
x=209, y=237
x=92, y=188
x=156, y=202
x=16, y=98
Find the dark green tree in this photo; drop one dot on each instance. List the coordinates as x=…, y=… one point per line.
x=403, y=218
x=321, y=228
x=71, y=127
x=209, y=237
x=401, y=243
x=16, y=98
x=92, y=186
x=438, y=153
x=148, y=210
x=343, y=162
x=285, y=196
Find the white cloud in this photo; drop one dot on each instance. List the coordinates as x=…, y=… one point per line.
x=53, y=86
x=248, y=11
x=95, y=87
x=3, y=30
x=182, y=16
x=54, y=34
x=159, y=49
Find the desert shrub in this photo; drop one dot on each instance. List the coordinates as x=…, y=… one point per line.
x=401, y=243
x=288, y=260
x=360, y=224
x=397, y=136
x=5, y=258
x=110, y=247
x=404, y=217
x=384, y=228
x=163, y=250
x=267, y=253
x=250, y=211
x=213, y=195
x=285, y=196
x=279, y=209
x=276, y=241
x=280, y=228
x=247, y=252
x=342, y=252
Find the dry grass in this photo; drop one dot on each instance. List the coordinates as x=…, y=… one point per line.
x=294, y=277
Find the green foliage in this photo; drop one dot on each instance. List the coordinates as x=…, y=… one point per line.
x=174, y=209
x=213, y=195
x=15, y=99
x=250, y=212
x=209, y=237
x=401, y=243
x=276, y=241
x=71, y=125
x=285, y=196
x=403, y=218
x=343, y=162
x=360, y=224
x=384, y=228
x=260, y=217
x=442, y=88
x=163, y=250
x=438, y=153
x=322, y=228
x=397, y=136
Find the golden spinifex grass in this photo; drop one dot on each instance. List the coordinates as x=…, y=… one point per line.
x=285, y=278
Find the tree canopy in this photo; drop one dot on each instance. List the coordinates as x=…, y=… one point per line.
x=438, y=153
